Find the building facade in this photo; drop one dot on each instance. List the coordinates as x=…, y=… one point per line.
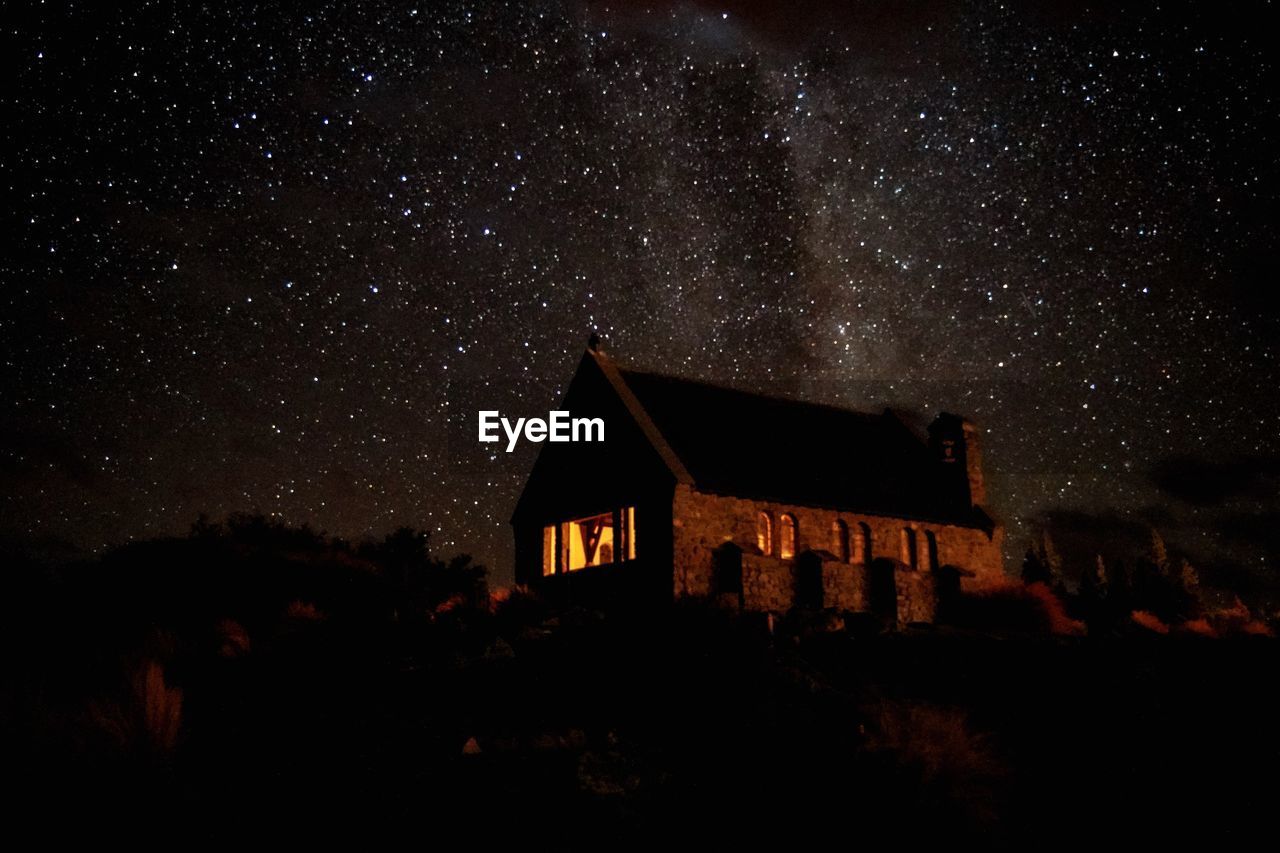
x=754, y=502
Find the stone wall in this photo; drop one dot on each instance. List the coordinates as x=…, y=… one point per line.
x=917, y=595
x=844, y=585
x=702, y=522
x=972, y=549
x=767, y=583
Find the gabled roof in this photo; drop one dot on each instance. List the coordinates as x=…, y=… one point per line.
x=750, y=445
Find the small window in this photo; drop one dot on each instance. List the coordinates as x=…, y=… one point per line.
x=549, y=550
x=764, y=533
x=629, y=530
x=908, y=555
x=787, y=549
x=931, y=550
x=840, y=540
x=862, y=544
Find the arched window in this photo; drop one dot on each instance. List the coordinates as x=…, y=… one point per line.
x=787, y=547
x=862, y=544
x=931, y=551
x=764, y=533
x=840, y=540
x=908, y=555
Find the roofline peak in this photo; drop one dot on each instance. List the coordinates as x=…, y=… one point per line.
x=639, y=414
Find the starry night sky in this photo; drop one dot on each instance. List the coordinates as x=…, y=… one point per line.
x=275, y=258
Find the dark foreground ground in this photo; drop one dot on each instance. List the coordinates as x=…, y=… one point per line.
x=163, y=719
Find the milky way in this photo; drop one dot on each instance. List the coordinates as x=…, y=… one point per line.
x=271, y=259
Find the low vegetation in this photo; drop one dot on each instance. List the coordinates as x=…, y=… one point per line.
x=254, y=674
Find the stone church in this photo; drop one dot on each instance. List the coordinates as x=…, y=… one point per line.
x=754, y=502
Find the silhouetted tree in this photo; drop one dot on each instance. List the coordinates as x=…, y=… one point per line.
x=1042, y=564
x=1159, y=553
x=1094, y=596
x=1156, y=591
x=1120, y=585
x=405, y=561
x=1189, y=587
x=1034, y=569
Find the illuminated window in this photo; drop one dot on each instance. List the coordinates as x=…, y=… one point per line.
x=629, y=529
x=764, y=533
x=840, y=540
x=908, y=555
x=549, y=550
x=599, y=539
x=787, y=548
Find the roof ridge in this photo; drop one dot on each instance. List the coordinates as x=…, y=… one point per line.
x=777, y=398
x=613, y=374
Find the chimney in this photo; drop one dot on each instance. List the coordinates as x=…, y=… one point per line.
x=955, y=444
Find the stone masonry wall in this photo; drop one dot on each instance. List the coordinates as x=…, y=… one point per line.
x=917, y=596
x=844, y=585
x=767, y=583
x=703, y=522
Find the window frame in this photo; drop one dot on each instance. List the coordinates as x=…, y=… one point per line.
x=621, y=521
x=764, y=532
x=840, y=540
x=788, y=521
x=910, y=555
